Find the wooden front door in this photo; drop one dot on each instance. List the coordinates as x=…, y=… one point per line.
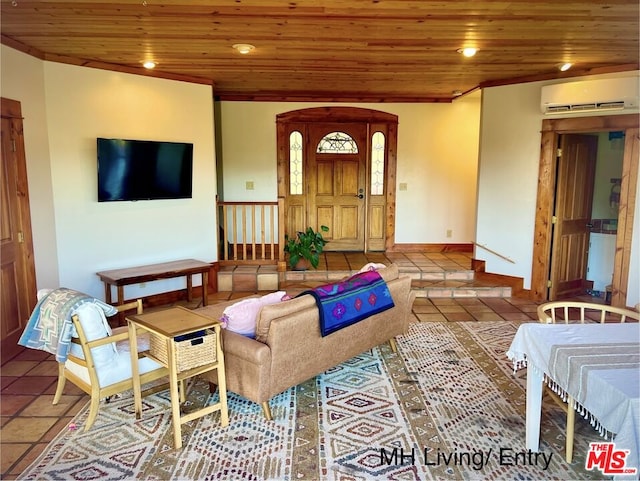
x=350, y=191
x=337, y=156
x=574, y=197
x=18, y=277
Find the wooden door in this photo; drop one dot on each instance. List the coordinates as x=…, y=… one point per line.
x=337, y=155
x=16, y=247
x=574, y=197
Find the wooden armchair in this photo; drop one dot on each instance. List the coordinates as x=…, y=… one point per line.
x=571, y=312
x=97, y=366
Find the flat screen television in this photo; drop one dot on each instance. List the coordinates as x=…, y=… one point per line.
x=144, y=170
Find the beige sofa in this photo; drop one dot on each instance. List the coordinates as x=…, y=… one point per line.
x=293, y=349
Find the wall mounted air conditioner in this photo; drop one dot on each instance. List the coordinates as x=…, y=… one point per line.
x=590, y=96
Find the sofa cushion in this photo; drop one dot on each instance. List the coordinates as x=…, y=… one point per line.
x=274, y=311
x=241, y=316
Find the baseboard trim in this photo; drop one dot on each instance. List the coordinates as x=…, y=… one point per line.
x=410, y=248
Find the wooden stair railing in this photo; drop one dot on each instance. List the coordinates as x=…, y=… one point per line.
x=251, y=232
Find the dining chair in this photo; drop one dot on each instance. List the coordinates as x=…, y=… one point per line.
x=99, y=363
x=570, y=312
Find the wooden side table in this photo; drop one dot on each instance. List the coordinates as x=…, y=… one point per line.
x=167, y=324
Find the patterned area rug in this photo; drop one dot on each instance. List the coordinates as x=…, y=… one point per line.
x=448, y=406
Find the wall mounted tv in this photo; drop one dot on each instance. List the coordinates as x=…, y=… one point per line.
x=143, y=170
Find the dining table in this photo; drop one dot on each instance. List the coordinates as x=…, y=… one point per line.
x=598, y=365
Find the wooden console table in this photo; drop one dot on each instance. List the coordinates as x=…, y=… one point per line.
x=154, y=272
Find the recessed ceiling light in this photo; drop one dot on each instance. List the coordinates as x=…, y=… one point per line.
x=243, y=48
x=468, y=51
x=149, y=64
x=565, y=66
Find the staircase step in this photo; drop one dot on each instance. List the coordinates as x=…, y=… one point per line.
x=429, y=282
x=445, y=289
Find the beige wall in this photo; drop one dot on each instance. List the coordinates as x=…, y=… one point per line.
x=22, y=79
x=437, y=159
x=77, y=105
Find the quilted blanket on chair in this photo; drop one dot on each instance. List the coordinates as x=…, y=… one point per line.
x=50, y=328
x=344, y=303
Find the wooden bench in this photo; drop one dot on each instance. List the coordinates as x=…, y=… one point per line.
x=154, y=272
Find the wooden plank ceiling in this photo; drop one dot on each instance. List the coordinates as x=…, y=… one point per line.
x=332, y=50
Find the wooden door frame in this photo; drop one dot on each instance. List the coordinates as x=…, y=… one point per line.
x=551, y=130
x=342, y=115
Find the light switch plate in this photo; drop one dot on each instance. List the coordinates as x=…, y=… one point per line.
x=249, y=185
x=403, y=186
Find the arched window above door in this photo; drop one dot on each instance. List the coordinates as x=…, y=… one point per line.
x=337, y=143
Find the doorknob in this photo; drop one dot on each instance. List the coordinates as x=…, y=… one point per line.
x=360, y=196
x=590, y=226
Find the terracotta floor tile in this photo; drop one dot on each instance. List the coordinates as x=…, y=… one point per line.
x=516, y=316
x=479, y=309
x=30, y=385
x=458, y=316
x=43, y=406
x=445, y=309
x=431, y=318
x=443, y=301
x=70, y=389
x=470, y=301
x=533, y=308
x=245, y=282
x=61, y=425
x=6, y=381
x=11, y=452
x=45, y=368
x=12, y=404
x=18, y=368
x=487, y=316
x=26, y=429
x=81, y=402
x=32, y=355
x=425, y=309
x=500, y=305
x=26, y=460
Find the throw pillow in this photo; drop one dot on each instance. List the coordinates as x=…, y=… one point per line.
x=241, y=317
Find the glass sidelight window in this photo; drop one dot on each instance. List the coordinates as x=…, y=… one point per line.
x=295, y=163
x=377, y=163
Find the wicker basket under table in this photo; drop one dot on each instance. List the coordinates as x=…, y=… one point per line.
x=190, y=353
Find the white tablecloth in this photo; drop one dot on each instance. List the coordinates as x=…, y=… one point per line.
x=612, y=391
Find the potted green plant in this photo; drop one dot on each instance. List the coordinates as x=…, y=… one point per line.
x=305, y=247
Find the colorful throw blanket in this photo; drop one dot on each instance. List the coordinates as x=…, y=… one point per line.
x=50, y=328
x=344, y=303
